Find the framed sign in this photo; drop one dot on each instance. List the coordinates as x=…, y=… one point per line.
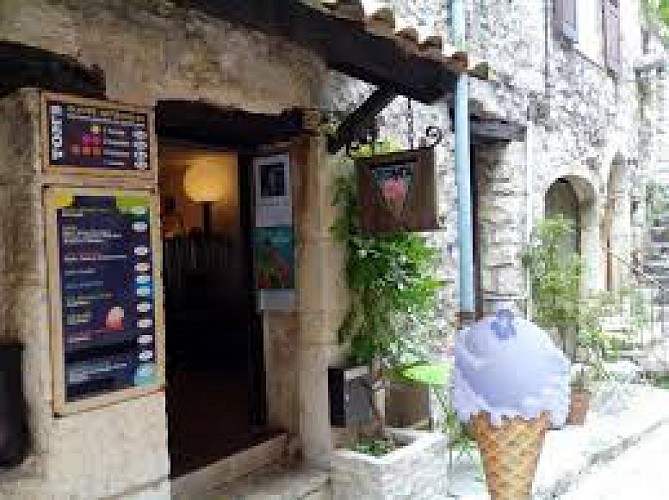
x=105, y=300
x=272, y=191
x=273, y=236
x=90, y=136
x=397, y=192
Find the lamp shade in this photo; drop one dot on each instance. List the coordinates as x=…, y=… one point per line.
x=207, y=179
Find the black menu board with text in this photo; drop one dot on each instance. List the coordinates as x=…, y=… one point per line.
x=105, y=316
x=94, y=136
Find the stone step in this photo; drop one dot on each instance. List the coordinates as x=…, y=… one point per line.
x=197, y=484
x=297, y=482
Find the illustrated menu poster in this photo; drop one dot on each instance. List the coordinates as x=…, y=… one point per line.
x=274, y=251
x=274, y=258
x=87, y=134
x=107, y=315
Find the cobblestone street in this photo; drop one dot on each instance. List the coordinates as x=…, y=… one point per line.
x=639, y=473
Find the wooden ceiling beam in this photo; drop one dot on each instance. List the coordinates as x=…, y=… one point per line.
x=344, y=44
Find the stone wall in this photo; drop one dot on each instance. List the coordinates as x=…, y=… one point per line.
x=580, y=119
x=149, y=51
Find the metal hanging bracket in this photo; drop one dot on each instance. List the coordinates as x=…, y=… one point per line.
x=355, y=126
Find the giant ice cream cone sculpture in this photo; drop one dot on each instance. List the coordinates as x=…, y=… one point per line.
x=511, y=382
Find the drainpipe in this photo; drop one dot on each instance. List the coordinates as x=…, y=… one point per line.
x=529, y=208
x=463, y=174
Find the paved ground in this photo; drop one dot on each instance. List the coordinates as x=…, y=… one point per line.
x=621, y=419
x=640, y=473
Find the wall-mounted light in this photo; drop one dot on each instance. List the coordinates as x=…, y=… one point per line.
x=206, y=182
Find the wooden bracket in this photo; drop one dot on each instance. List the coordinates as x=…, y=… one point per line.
x=360, y=119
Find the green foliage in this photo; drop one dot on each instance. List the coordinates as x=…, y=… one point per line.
x=438, y=376
x=555, y=275
x=371, y=149
x=393, y=291
x=376, y=447
x=656, y=14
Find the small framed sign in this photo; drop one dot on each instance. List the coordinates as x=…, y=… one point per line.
x=397, y=192
x=96, y=137
x=272, y=191
x=105, y=296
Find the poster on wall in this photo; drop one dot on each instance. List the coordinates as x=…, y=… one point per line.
x=272, y=191
x=91, y=136
x=106, y=310
x=274, y=255
x=273, y=235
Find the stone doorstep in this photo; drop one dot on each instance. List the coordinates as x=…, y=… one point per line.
x=574, y=451
x=197, y=484
x=277, y=482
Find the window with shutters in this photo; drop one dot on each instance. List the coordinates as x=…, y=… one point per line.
x=612, y=34
x=566, y=19
x=591, y=29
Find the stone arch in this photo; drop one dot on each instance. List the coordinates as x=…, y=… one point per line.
x=575, y=196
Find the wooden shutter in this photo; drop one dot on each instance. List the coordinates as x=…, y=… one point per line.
x=612, y=34
x=566, y=21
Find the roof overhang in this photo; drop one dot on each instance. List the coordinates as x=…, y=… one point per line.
x=369, y=48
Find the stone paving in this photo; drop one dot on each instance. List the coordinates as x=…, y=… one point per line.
x=622, y=416
x=639, y=473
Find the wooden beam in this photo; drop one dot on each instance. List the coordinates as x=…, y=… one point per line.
x=25, y=66
x=205, y=123
x=493, y=130
x=344, y=44
x=360, y=119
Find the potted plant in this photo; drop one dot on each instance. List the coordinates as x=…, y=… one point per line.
x=555, y=279
x=579, y=402
x=387, y=328
x=593, y=348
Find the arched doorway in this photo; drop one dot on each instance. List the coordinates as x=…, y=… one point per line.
x=562, y=199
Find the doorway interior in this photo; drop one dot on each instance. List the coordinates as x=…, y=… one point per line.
x=215, y=390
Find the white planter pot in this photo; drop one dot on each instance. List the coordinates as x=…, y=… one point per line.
x=416, y=471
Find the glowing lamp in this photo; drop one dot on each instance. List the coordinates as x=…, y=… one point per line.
x=207, y=181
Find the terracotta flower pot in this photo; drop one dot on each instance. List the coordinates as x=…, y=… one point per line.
x=578, y=406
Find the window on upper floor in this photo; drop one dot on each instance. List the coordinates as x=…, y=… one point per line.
x=593, y=26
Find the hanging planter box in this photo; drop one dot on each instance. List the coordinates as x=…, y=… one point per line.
x=417, y=469
x=397, y=192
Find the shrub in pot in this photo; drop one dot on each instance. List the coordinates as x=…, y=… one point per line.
x=389, y=326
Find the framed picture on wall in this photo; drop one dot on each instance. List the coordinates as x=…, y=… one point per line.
x=272, y=191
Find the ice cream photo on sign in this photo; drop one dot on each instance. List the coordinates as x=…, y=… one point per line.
x=510, y=384
x=115, y=317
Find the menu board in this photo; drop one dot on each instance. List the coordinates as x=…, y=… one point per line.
x=88, y=135
x=105, y=313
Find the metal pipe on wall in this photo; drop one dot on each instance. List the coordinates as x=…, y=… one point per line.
x=463, y=174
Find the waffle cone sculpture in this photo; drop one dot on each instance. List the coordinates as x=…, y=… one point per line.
x=510, y=453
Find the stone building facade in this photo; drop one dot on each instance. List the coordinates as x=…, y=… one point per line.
x=581, y=124
x=586, y=128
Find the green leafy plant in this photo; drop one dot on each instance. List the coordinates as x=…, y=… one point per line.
x=392, y=286
x=555, y=276
x=393, y=291
x=438, y=376
x=376, y=447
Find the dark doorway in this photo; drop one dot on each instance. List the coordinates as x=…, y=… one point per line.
x=215, y=390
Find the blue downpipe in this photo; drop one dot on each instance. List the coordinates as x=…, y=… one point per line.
x=463, y=174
